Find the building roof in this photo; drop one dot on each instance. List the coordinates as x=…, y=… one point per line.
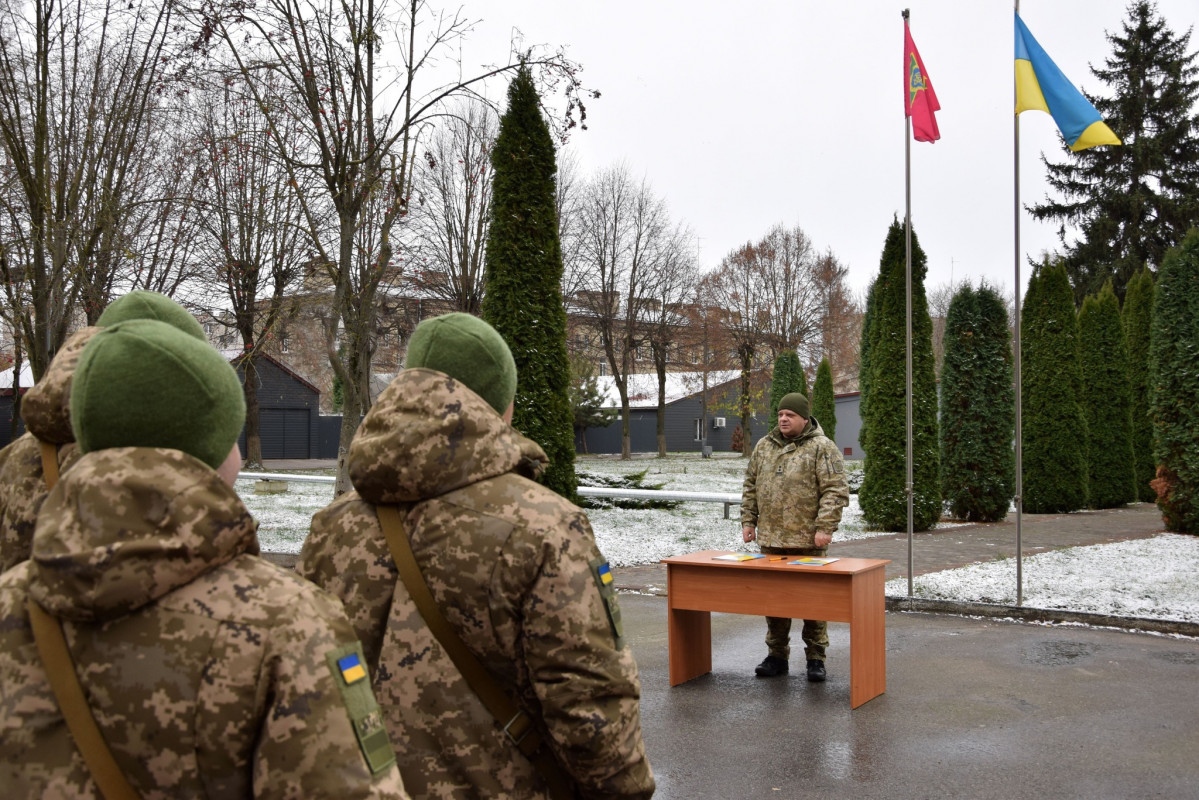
x=26, y=377
x=643, y=387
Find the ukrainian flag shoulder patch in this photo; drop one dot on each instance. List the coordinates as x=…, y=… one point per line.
x=349, y=673
x=601, y=570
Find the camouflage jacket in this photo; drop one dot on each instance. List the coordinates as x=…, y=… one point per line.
x=210, y=672
x=515, y=570
x=46, y=410
x=794, y=488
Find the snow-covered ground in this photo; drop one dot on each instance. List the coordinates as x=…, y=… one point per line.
x=1153, y=578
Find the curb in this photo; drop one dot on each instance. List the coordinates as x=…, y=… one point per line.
x=1052, y=616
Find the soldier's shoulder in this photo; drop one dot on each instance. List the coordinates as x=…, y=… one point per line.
x=14, y=589
x=349, y=509
x=513, y=496
x=19, y=457
x=251, y=590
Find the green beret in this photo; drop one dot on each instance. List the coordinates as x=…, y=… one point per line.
x=797, y=402
x=469, y=350
x=143, y=383
x=140, y=304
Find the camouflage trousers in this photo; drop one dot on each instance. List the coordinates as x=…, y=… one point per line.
x=778, y=629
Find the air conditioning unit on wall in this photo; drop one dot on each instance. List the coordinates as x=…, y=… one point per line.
x=718, y=422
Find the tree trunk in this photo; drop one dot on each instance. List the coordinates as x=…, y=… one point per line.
x=661, y=410
x=253, y=436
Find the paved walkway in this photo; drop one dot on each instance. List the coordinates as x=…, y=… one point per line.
x=960, y=545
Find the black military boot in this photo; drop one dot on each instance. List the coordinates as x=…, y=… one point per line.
x=771, y=667
x=815, y=670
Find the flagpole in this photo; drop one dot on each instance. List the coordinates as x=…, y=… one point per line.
x=907, y=147
x=1019, y=498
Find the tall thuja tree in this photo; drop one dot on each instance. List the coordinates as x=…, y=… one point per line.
x=883, y=497
x=1055, y=458
x=864, y=360
x=523, y=298
x=1174, y=386
x=788, y=377
x=978, y=407
x=824, y=403
x=1130, y=204
x=1104, y=361
x=1138, y=320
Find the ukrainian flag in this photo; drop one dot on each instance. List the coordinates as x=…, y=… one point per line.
x=351, y=668
x=1041, y=86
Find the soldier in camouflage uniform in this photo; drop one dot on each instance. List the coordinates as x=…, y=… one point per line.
x=512, y=566
x=209, y=671
x=46, y=411
x=795, y=489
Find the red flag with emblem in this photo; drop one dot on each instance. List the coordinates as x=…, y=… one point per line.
x=919, y=99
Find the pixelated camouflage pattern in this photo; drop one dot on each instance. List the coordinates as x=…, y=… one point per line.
x=794, y=488
x=203, y=664
x=46, y=409
x=507, y=561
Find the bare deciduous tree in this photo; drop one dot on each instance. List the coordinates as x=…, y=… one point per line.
x=453, y=188
x=626, y=236
x=358, y=137
x=80, y=83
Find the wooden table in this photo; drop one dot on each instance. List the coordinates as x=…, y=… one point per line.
x=847, y=590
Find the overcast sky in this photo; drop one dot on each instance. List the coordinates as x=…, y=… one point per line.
x=743, y=116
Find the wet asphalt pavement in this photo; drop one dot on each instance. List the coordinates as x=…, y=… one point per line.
x=973, y=709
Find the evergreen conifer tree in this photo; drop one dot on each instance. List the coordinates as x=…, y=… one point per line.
x=1103, y=357
x=523, y=298
x=1138, y=320
x=788, y=377
x=824, y=402
x=978, y=407
x=883, y=494
x=1129, y=204
x=1174, y=386
x=1054, y=457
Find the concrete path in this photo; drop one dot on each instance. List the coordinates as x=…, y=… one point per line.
x=960, y=545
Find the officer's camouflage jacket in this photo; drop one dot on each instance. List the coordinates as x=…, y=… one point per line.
x=46, y=409
x=204, y=665
x=794, y=489
x=515, y=570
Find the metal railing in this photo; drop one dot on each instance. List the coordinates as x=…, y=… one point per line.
x=729, y=499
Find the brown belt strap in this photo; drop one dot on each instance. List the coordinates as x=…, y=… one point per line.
x=49, y=463
x=516, y=723
x=60, y=670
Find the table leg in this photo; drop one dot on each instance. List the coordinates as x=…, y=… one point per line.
x=867, y=640
x=690, y=644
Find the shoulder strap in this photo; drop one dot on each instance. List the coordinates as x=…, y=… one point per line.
x=49, y=463
x=60, y=670
x=518, y=727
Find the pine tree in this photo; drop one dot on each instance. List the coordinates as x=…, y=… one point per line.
x=978, y=407
x=1174, y=386
x=1129, y=204
x=788, y=377
x=883, y=494
x=587, y=403
x=1103, y=357
x=523, y=297
x=824, y=402
x=1054, y=454
x=1138, y=320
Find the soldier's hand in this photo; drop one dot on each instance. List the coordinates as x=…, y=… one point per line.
x=823, y=539
x=748, y=534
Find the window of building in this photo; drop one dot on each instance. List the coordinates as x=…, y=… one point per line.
x=284, y=343
x=699, y=429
